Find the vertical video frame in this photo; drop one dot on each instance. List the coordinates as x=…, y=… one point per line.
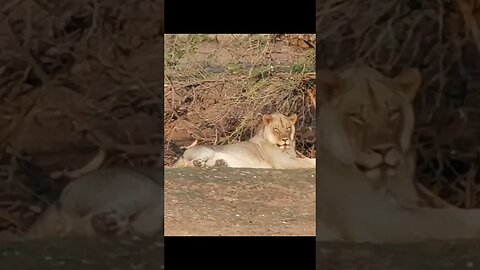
x=239, y=135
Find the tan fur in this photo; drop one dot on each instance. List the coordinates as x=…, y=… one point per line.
x=273, y=146
x=131, y=198
x=366, y=120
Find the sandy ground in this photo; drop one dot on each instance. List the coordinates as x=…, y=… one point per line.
x=227, y=201
x=432, y=255
x=75, y=254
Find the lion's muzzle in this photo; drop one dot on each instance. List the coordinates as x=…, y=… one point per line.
x=379, y=163
x=380, y=171
x=285, y=144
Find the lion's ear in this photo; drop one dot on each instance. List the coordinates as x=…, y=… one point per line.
x=293, y=118
x=409, y=82
x=329, y=84
x=267, y=119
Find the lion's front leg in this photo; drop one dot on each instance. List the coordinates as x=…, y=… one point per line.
x=297, y=163
x=307, y=163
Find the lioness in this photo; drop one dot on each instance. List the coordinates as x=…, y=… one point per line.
x=111, y=201
x=365, y=187
x=273, y=146
x=366, y=123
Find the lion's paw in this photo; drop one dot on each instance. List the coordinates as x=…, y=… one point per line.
x=198, y=163
x=109, y=223
x=221, y=163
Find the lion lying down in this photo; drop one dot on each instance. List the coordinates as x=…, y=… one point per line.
x=272, y=147
x=111, y=201
x=365, y=186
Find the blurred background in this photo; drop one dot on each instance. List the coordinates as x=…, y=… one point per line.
x=77, y=78
x=442, y=39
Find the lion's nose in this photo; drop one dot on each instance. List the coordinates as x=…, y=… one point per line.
x=383, y=149
x=285, y=140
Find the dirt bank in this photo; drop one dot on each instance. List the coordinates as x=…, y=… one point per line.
x=227, y=201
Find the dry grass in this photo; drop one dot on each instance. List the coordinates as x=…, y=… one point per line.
x=442, y=39
x=77, y=76
x=217, y=86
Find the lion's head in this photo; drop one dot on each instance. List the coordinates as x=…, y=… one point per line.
x=279, y=130
x=366, y=119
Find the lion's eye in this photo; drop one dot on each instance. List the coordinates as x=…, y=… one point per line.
x=357, y=118
x=289, y=128
x=276, y=130
x=394, y=114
